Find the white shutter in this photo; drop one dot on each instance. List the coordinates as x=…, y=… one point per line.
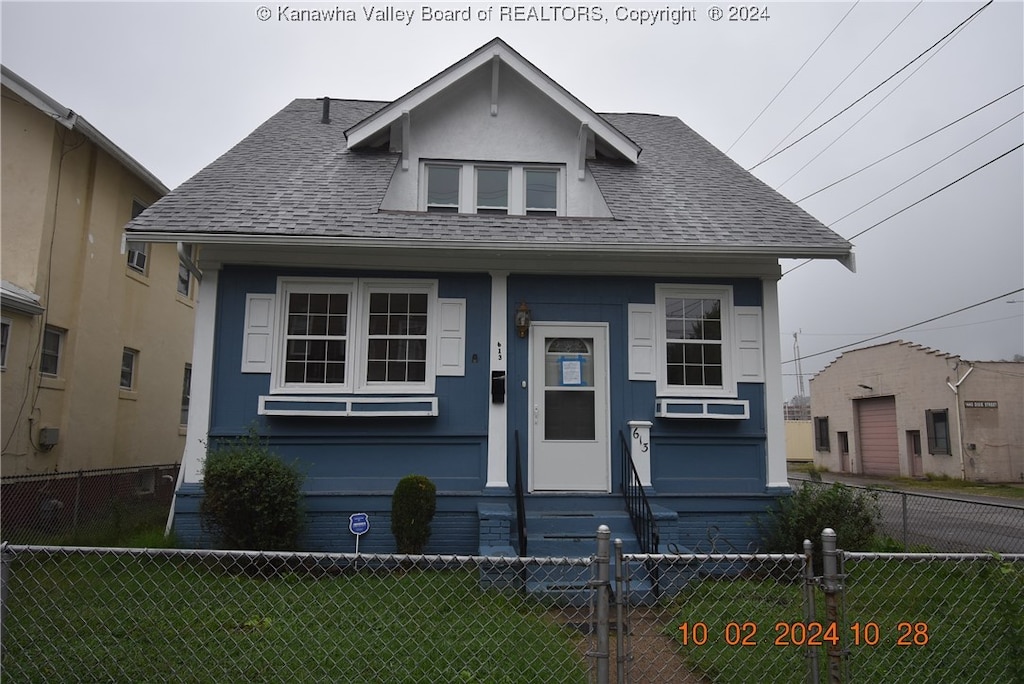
x=451, y=338
x=258, y=336
x=642, y=351
x=750, y=354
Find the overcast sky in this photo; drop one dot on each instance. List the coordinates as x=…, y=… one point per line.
x=176, y=85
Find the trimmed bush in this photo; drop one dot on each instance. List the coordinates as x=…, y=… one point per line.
x=854, y=515
x=412, y=508
x=252, y=498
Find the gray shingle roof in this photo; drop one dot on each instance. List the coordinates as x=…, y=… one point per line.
x=294, y=176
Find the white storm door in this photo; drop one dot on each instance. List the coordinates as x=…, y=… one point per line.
x=569, y=440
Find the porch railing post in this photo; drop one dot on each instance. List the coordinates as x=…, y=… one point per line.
x=601, y=612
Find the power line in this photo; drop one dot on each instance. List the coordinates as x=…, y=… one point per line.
x=907, y=327
x=797, y=73
x=845, y=79
x=849, y=106
x=906, y=147
x=926, y=197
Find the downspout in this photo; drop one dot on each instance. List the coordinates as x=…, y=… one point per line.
x=959, y=417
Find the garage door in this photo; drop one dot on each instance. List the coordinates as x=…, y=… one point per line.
x=879, y=448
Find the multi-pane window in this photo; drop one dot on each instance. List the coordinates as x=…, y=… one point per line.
x=443, y=188
x=356, y=335
x=693, y=341
x=491, y=190
x=129, y=361
x=186, y=393
x=316, y=342
x=541, y=191
x=397, y=342
x=49, y=358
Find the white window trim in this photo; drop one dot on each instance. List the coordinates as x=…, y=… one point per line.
x=516, y=184
x=133, y=379
x=357, y=335
x=61, y=339
x=729, y=360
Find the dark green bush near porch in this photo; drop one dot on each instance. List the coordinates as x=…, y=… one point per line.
x=412, y=508
x=854, y=515
x=252, y=499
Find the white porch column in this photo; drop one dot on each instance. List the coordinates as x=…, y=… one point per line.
x=773, y=395
x=202, y=380
x=640, y=449
x=497, y=416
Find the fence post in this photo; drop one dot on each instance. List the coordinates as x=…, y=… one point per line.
x=5, y=571
x=620, y=617
x=603, y=555
x=832, y=588
x=809, y=613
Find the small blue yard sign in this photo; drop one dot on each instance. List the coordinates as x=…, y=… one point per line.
x=358, y=524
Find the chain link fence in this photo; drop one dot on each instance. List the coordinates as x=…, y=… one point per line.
x=132, y=615
x=944, y=523
x=85, y=507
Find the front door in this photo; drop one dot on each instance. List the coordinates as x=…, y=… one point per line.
x=569, y=407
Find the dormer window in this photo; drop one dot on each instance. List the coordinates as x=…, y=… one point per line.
x=491, y=190
x=443, y=188
x=541, y=192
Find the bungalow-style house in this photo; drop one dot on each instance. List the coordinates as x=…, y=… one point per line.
x=902, y=409
x=486, y=282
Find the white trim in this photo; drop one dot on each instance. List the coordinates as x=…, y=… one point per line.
x=497, y=414
x=258, y=341
x=643, y=345
x=9, y=325
x=749, y=354
x=202, y=380
x=451, y=337
x=345, y=407
x=663, y=408
x=724, y=293
x=773, y=395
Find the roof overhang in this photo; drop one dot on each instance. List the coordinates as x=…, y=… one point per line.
x=477, y=255
x=14, y=298
x=72, y=121
x=370, y=127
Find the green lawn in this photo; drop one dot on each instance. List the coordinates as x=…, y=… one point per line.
x=153, y=620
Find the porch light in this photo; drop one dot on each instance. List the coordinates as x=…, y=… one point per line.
x=522, y=319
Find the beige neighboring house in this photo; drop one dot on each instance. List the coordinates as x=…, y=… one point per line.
x=97, y=334
x=901, y=409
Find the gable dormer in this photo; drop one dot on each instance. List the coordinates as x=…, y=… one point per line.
x=492, y=134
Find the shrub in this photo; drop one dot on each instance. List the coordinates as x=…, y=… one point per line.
x=412, y=508
x=854, y=515
x=252, y=498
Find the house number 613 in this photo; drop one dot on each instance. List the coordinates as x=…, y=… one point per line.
x=643, y=445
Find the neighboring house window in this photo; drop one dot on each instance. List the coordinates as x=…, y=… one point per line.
x=138, y=252
x=357, y=335
x=443, y=188
x=5, y=336
x=53, y=347
x=184, y=276
x=844, y=442
x=937, y=425
x=186, y=393
x=821, y=442
x=695, y=331
x=129, y=363
x=541, y=192
x=491, y=190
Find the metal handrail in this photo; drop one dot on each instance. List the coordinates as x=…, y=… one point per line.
x=520, y=502
x=639, y=508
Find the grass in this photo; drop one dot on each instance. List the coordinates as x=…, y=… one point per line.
x=967, y=621
x=123, y=618
x=944, y=483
